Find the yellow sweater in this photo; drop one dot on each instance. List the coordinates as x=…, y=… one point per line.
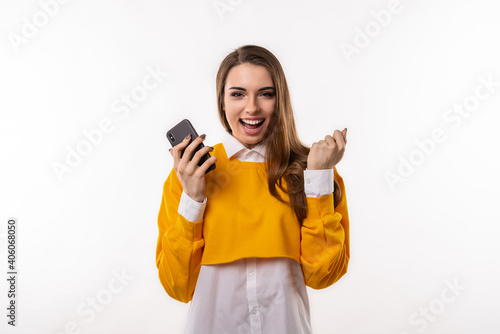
x=242, y=219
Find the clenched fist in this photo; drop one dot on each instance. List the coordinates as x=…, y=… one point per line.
x=325, y=154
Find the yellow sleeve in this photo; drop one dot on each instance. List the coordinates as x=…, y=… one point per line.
x=180, y=244
x=325, y=239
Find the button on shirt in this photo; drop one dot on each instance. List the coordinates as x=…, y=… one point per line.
x=251, y=295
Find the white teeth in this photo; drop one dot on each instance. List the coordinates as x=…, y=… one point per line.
x=251, y=122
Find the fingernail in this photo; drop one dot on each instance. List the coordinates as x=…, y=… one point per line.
x=203, y=136
x=211, y=148
x=169, y=149
x=188, y=136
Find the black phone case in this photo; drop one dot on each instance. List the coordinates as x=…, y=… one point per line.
x=177, y=135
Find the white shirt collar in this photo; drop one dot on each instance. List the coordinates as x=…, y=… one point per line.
x=233, y=146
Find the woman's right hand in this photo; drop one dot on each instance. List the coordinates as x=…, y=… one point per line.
x=191, y=175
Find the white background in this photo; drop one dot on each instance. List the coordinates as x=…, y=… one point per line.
x=438, y=225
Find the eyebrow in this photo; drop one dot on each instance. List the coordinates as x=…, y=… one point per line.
x=263, y=88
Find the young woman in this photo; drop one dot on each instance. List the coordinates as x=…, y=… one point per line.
x=243, y=241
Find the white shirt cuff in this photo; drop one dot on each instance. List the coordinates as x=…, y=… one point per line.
x=318, y=182
x=190, y=209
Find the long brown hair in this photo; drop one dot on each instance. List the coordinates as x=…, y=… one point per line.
x=286, y=156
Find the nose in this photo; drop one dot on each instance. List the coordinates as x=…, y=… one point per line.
x=252, y=105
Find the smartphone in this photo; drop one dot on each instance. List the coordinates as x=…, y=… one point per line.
x=179, y=132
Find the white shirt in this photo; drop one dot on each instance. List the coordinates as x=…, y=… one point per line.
x=251, y=295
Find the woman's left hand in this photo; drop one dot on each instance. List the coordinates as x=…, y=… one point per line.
x=325, y=154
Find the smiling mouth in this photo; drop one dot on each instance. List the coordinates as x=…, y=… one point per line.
x=252, y=125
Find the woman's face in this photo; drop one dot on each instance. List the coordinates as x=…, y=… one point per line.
x=249, y=95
